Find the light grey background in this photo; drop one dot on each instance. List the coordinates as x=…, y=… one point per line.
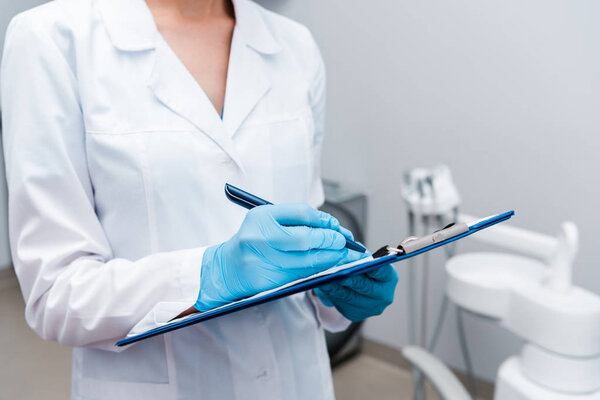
x=507, y=93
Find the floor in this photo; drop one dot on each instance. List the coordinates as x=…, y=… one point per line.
x=366, y=377
x=37, y=369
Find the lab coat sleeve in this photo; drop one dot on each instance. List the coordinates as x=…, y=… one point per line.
x=75, y=291
x=328, y=317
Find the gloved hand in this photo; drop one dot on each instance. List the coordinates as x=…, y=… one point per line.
x=361, y=296
x=275, y=244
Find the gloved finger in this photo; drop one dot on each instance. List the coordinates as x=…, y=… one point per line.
x=350, y=257
x=295, y=214
x=369, y=286
x=347, y=234
x=343, y=298
x=384, y=290
x=347, y=299
x=353, y=256
x=363, y=308
x=303, y=238
x=323, y=297
x=360, y=283
x=341, y=294
x=338, y=293
x=384, y=273
x=312, y=261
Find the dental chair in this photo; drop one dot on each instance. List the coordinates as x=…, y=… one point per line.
x=531, y=295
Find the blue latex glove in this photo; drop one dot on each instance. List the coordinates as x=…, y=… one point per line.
x=275, y=244
x=361, y=296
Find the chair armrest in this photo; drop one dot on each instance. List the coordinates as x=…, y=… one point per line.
x=437, y=373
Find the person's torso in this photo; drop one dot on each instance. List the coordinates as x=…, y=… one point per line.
x=158, y=156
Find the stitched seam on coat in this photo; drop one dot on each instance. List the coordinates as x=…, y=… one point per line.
x=250, y=124
x=150, y=212
x=280, y=119
x=137, y=132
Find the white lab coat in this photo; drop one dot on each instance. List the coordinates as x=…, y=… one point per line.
x=116, y=162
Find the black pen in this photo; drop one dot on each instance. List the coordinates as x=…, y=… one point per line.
x=248, y=200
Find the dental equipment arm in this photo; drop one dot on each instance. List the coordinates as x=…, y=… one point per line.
x=557, y=252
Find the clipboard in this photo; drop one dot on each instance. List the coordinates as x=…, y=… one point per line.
x=410, y=247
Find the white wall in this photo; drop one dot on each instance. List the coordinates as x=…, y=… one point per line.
x=507, y=93
x=8, y=9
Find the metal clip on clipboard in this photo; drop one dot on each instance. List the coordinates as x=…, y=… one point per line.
x=413, y=243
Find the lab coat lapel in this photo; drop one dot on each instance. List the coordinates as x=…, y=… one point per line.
x=176, y=88
x=247, y=83
x=247, y=77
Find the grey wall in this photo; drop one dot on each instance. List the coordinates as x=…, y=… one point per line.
x=506, y=92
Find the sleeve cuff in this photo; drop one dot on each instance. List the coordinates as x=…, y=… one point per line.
x=188, y=274
x=329, y=318
x=187, y=285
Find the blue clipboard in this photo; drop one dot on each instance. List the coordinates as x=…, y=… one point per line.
x=311, y=283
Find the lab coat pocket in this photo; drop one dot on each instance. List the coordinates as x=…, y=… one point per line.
x=107, y=375
x=125, y=366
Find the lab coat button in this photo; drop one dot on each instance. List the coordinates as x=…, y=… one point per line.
x=263, y=374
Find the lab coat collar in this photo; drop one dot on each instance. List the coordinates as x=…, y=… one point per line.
x=129, y=24
x=253, y=28
x=131, y=27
